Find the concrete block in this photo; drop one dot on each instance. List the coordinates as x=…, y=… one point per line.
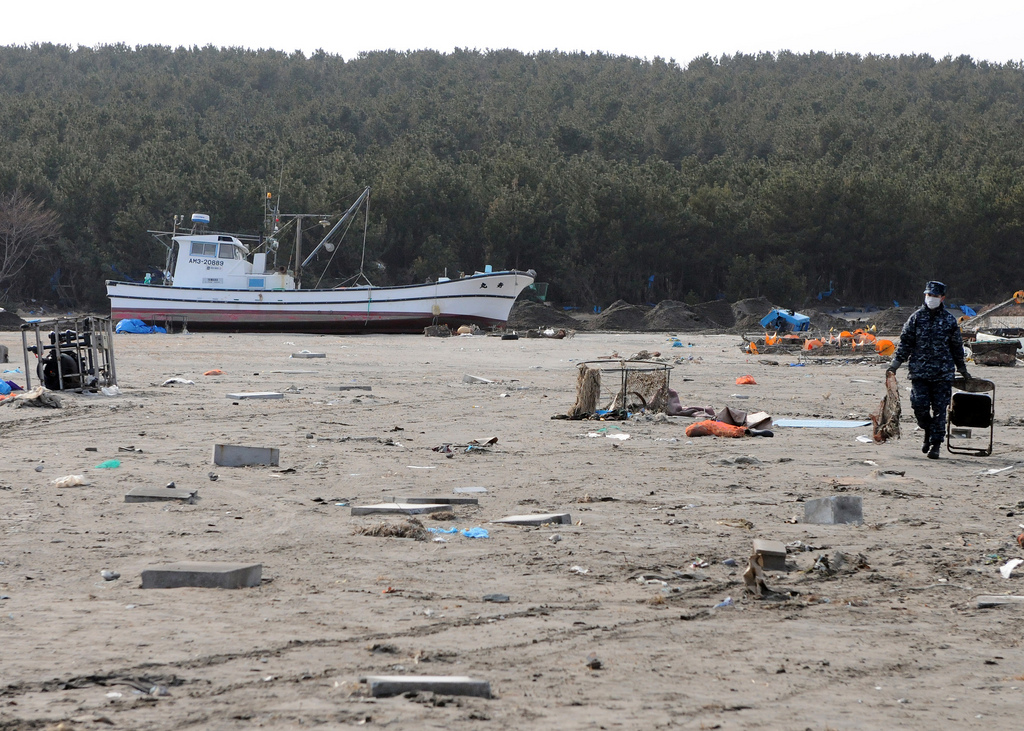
x=835, y=509
x=560, y=518
x=230, y=455
x=387, y=685
x=399, y=508
x=144, y=494
x=439, y=500
x=474, y=379
x=771, y=555
x=205, y=575
x=254, y=395
x=307, y=354
x=996, y=600
x=469, y=490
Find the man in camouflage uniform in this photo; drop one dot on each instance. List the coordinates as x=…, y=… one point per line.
x=931, y=342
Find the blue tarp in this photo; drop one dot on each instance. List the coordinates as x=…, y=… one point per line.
x=138, y=327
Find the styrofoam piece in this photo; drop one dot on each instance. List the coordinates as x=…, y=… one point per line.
x=254, y=395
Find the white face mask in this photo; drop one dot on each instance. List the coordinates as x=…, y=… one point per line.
x=932, y=302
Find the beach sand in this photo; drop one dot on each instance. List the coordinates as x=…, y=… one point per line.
x=892, y=638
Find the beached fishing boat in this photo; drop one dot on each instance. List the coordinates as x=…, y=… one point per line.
x=216, y=281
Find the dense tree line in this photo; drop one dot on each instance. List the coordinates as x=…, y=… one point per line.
x=776, y=174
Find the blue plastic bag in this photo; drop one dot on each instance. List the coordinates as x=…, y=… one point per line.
x=138, y=327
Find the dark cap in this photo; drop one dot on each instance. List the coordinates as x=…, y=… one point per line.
x=935, y=289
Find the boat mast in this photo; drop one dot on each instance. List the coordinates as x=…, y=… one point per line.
x=325, y=242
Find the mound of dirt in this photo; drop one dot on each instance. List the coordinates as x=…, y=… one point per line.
x=823, y=322
x=891, y=321
x=717, y=313
x=527, y=315
x=672, y=315
x=10, y=321
x=620, y=315
x=747, y=313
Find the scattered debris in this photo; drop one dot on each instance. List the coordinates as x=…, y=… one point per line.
x=1007, y=568
x=70, y=481
x=412, y=528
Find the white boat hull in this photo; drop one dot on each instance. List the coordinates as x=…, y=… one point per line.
x=480, y=299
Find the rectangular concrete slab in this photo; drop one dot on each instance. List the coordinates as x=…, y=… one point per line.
x=560, y=518
x=307, y=354
x=388, y=685
x=834, y=510
x=996, y=600
x=255, y=395
x=439, y=500
x=398, y=508
x=231, y=455
x=467, y=378
x=144, y=494
x=772, y=554
x=469, y=490
x=202, y=574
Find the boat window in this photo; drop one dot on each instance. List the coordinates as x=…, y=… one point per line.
x=201, y=248
x=228, y=251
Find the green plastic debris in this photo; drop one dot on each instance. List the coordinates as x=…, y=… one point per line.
x=110, y=464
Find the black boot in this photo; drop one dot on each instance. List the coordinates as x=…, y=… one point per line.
x=927, y=442
x=933, y=452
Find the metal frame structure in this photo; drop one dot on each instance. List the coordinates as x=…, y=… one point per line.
x=625, y=367
x=77, y=354
x=976, y=399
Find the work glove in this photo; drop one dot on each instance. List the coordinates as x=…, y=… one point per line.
x=965, y=374
x=890, y=369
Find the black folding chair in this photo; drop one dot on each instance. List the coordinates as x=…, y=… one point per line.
x=972, y=406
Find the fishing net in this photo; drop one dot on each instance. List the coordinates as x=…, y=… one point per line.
x=646, y=389
x=886, y=423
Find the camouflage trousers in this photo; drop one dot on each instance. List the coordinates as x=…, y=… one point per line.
x=930, y=400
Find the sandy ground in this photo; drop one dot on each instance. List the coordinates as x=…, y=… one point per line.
x=893, y=639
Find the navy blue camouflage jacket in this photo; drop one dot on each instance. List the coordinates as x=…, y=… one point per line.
x=931, y=342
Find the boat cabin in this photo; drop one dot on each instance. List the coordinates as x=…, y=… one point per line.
x=219, y=261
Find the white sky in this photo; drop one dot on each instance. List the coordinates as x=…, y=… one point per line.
x=992, y=30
